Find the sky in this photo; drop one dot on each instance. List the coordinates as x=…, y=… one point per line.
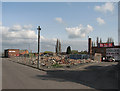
x=70, y=22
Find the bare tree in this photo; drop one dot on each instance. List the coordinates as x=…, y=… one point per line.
x=97, y=41
x=110, y=40
x=94, y=44
x=100, y=40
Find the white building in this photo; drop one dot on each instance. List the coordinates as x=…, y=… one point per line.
x=114, y=52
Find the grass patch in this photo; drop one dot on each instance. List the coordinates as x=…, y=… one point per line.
x=57, y=65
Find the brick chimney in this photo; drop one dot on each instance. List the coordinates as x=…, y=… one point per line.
x=89, y=46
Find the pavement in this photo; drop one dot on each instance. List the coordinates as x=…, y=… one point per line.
x=93, y=76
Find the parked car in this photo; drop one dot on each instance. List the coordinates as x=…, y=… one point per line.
x=108, y=59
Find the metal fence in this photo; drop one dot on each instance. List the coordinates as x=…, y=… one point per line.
x=48, y=61
x=27, y=60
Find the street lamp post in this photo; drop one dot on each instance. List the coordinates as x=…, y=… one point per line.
x=38, y=45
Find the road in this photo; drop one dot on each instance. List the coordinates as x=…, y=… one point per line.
x=95, y=76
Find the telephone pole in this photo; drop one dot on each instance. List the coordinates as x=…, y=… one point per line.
x=38, y=46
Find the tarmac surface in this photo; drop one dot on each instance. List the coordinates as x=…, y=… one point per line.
x=91, y=76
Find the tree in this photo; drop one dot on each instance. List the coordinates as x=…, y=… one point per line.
x=94, y=44
x=110, y=40
x=84, y=52
x=100, y=40
x=74, y=51
x=68, y=50
x=46, y=52
x=97, y=41
x=58, y=47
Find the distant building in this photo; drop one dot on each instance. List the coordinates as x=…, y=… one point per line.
x=14, y=52
x=11, y=52
x=22, y=52
x=114, y=52
x=78, y=56
x=105, y=49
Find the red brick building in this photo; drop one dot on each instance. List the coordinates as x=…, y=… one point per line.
x=11, y=52
x=102, y=48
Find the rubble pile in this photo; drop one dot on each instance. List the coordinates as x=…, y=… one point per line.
x=52, y=61
x=61, y=60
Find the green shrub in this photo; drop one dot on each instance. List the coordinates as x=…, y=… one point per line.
x=56, y=65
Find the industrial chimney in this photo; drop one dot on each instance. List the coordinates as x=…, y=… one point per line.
x=90, y=46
